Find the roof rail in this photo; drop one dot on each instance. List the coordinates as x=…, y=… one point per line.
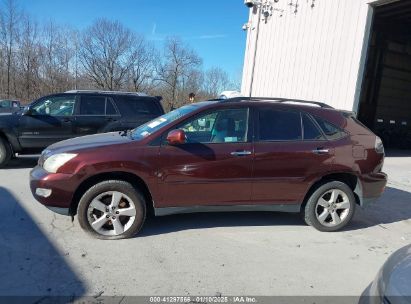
x=107, y=92
x=278, y=99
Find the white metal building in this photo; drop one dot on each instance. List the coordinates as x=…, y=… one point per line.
x=352, y=54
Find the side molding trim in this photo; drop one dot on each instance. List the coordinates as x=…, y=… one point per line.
x=290, y=208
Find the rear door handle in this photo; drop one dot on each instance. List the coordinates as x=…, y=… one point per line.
x=240, y=153
x=321, y=151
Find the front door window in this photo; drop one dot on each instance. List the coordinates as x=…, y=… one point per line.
x=55, y=106
x=222, y=126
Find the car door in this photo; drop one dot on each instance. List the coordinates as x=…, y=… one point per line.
x=287, y=159
x=49, y=120
x=96, y=114
x=214, y=166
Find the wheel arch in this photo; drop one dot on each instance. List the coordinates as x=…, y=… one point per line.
x=131, y=178
x=350, y=179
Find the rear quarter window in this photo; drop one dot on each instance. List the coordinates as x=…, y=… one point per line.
x=331, y=131
x=138, y=106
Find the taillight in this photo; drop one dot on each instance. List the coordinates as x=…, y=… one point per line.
x=379, y=146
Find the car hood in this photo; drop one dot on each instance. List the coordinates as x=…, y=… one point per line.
x=396, y=276
x=87, y=142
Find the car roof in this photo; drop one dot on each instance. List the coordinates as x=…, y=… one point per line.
x=141, y=94
x=292, y=101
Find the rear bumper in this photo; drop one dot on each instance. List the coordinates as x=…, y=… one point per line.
x=62, y=188
x=370, y=187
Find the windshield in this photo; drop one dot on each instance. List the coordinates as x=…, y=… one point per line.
x=156, y=124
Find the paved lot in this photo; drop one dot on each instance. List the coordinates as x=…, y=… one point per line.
x=200, y=254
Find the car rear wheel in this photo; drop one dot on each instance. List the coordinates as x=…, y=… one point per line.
x=5, y=152
x=112, y=210
x=330, y=207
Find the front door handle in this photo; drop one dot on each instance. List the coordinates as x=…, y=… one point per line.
x=240, y=153
x=321, y=151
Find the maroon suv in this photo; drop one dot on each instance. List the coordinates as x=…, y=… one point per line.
x=260, y=154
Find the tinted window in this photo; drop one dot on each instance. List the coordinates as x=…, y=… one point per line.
x=55, y=106
x=311, y=132
x=279, y=125
x=138, y=106
x=93, y=105
x=332, y=132
x=221, y=126
x=110, y=110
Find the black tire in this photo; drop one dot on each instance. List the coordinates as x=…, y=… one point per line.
x=5, y=152
x=310, y=211
x=108, y=186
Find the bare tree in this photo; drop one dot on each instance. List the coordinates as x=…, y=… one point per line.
x=28, y=57
x=216, y=80
x=9, y=32
x=43, y=58
x=75, y=40
x=142, y=73
x=179, y=62
x=108, y=53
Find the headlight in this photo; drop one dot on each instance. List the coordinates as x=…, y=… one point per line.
x=54, y=162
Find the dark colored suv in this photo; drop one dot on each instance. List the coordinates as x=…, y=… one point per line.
x=74, y=113
x=237, y=154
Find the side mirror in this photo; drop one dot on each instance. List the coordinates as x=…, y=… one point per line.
x=176, y=137
x=27, y=111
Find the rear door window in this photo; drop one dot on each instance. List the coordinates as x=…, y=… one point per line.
x=279, y=125
x=93, y=105
x=331, y=131
x=110, y=110
x=96, y=106
x=311, y=131
x=131, y=105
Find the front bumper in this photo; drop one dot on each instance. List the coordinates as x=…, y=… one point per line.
x=62, y=188
x=370, y=187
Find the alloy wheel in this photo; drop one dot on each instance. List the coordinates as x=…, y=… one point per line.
x=332, y=208
x=111, y=213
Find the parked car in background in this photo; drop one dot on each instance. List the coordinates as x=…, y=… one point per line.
x=226, y=155
x=392, y=285
x=9, y=106
x=74, y=113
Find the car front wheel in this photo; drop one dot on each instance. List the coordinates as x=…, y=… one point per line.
x=112, y=210
x=5, y=152
x=330, y=207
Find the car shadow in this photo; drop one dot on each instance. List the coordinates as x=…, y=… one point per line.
x=179, y=222
x=31, y=268
x=22, y=162
x=393, y=206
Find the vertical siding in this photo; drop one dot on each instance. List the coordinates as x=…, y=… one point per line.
x=316, y=54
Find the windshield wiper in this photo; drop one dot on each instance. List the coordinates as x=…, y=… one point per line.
x=125, y=133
